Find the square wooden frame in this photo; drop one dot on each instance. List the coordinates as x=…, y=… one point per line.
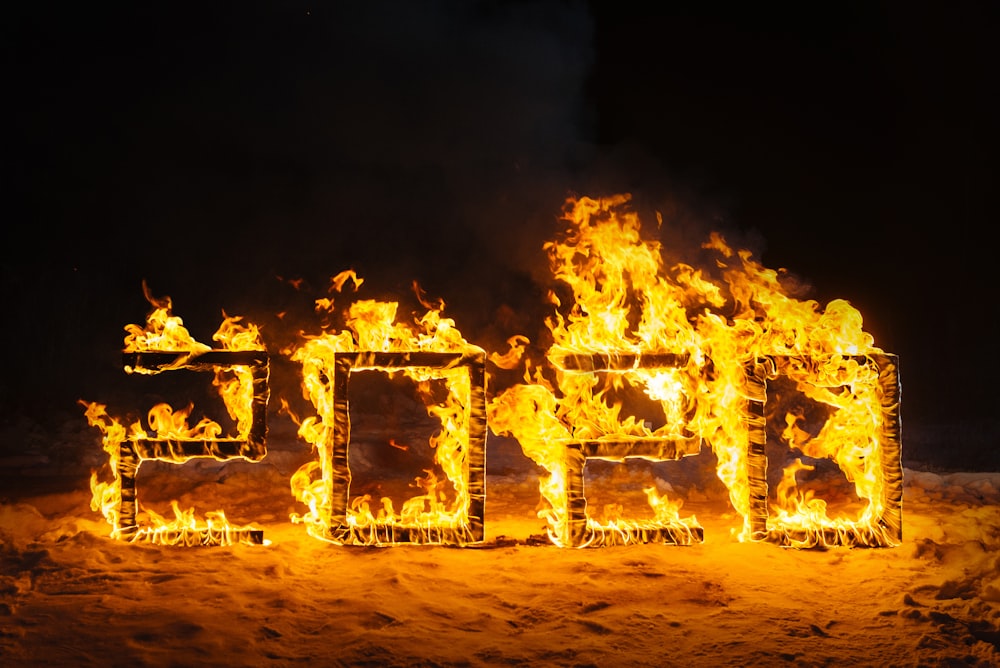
x=338, y=484
x=887, y=530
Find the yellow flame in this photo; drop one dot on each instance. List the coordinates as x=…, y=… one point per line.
x=165, y=332
x=375, y=326
x=619, y=297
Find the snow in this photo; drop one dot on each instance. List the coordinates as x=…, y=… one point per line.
x=70, y=595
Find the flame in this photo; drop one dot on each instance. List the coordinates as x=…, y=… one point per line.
x=616, y=300
x=165, y=332
x=106, y=497
x=375, y=326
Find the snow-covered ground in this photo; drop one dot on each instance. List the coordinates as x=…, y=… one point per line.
x=70, y=595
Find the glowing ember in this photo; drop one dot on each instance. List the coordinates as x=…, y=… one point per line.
x=241, y=378
x=428, y=348
x=624, y=306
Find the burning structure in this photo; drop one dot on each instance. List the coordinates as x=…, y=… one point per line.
x=863, y=391
x=430, y=350
x=240, y=371
x=702, y=345
x=642, y=361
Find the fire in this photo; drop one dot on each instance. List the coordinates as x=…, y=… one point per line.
x=626, y=326
x=240, y=377
x=645, y=361
x=426, y=349
x=703, y=348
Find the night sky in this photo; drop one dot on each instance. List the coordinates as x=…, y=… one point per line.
x=211, y=148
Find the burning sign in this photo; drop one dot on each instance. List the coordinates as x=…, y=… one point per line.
x=240, y=371
x=862, y=394
x=644, y=360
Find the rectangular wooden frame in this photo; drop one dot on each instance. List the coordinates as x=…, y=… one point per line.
x=339, y=482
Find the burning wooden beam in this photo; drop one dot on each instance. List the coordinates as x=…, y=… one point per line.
x=881, y=524
x=617, y=361
x=202, y=537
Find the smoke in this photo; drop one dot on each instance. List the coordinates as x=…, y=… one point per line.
x=220, y=154
x=237, y=158
x=227, y=154
x=436, y=145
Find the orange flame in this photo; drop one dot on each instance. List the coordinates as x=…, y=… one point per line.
x=624, y=301
x=165, y=332
x=373, y=326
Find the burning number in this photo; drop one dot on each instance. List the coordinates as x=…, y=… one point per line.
x=459, y=450
x=707, y=347
x=241, y=377
x=860, y=434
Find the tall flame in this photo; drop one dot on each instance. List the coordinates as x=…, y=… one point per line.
x=622, y=302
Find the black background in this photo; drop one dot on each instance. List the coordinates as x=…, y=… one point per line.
x=213, y=149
